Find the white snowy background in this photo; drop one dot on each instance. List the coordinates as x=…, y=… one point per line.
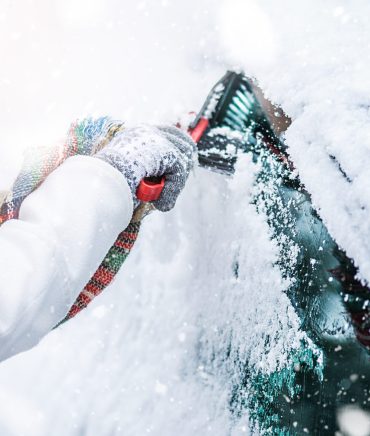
x=135, y=362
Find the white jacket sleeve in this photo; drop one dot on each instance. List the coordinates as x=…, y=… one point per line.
x=64, y=230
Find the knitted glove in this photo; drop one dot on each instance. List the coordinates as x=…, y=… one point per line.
x=147, y=151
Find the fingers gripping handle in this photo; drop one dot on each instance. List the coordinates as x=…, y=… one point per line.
x=150, y=189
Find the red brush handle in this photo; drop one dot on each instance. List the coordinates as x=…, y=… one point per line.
x=197, y=132
x=150, y=189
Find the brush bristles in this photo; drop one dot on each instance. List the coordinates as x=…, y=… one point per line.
x=237, y=110
x=240, y=112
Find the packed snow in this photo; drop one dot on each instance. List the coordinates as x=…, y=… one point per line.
x=148, y=356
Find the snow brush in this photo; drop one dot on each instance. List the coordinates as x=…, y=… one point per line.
x=231, y=110
x=228, y=122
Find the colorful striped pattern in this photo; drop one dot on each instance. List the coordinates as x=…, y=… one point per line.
x=85, y=137
x=107, y=269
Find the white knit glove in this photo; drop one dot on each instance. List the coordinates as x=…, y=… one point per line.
x=147, y=151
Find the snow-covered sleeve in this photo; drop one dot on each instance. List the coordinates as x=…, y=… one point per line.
x=64, y=230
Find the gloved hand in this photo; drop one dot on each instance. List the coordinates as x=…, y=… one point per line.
x=147, y=151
